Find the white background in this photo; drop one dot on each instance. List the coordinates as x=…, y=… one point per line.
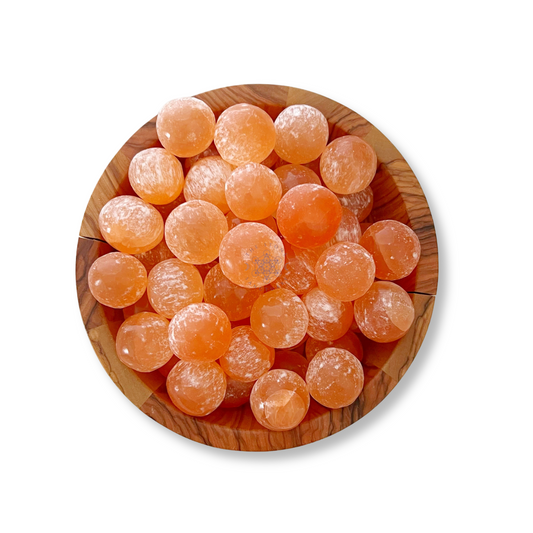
x=451, y=85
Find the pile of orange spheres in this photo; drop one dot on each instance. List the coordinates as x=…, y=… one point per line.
x=250, y=287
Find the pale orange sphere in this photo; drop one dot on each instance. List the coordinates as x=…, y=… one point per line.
x=349, y=228
x=385, y=313
x=131, y=225
x=298, y=274
x=253, y=191
x=251, y=255
x=234, y=220
x=154, y=256
x=360, y=203
x=292, y=175
x=329, y=319
x=234, y=300
x=117, y=280
x=247, y=358
x=345, y=271
x=394, y=247
x=156, y=176
x=206, y=180
x=186, y=126
x=348, y=165
x=302, y=134
x=279, y=318
x=335, y=378
x=199, y=333
x=290, y=360
x=349, y=341
x=280, y=400
x=309, y=215
x=142, y=342
x=196, y=389
x=172, y=285
x=194, y=231
x=237, y=393
x=244, y=134
x=190, y=161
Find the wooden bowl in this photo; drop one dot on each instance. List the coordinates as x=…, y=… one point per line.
x=397, y=195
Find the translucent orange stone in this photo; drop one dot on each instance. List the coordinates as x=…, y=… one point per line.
x=394, y=247
x=131, y=225
x=199, y=333
x=280, y=400
x=194, y=231
x=329, y=319
x=292, y=175
x=293, y=361
x=244, y=133
x=348, y=165
x=186, y=126
x=253, y=191
x=298, y=274
x=190, y=161
x=140, y=306
x=345, y=271
x=279, y=318
x=349, y=228
x=142, y=342
x=309, y=215
x=156, y=176
x=234, y=300
x=385, y=313
x=247, y=358
x=237, y=393
x=154, y=256
x=360, y=203
x=302, y=134
x=172, y=285
x=251, y=255
x=234, y=220
x=335, y=378
x=117, y=280
x=196, y=389
x=271, y=160
x=206, y=181
x=349, y=342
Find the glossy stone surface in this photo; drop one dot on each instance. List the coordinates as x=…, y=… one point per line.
x=385, y=313
x=117, y=280
x=292, y=175
x=298, y=274
x=154, y=256
x=194, y=231
x=280, y=400
x=156, y=176
x=394, y=247
x=172, y=285
x=234, y=220
x=335, y=378
x=345, y=271
x=196, y=389
x=348, y=165
x=237, y=393
x=349, y=341
x=130, y=225
x=360, y=203
x=142, y=342
x=349, y=228
x=199, y=333
x=186, y=126
x=290, y=360
x=279, y=318
x=251, y=255
x=244, y=133
x=302, y=134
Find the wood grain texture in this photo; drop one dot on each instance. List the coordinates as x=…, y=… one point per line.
x=397, y=195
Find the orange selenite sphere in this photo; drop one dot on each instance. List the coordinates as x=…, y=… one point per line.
x=349, y=229
x=293, y=361
x=237, y=393
x=350, y=342
x=360, y=203
x=117, y=280
x=292, y=175
x=142, y=342
x=298, y=274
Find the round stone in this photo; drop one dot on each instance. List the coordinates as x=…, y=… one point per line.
x=349, y=228
x=360, y=203
x=237, y=393
x=291, y=176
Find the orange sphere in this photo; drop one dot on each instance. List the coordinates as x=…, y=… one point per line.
x=292, y=175
x=348, y=165
x=309, y=215
x=349, y=228
x=279, y=318
x=186, y=126
x=298, y=274
x=142, y=342
x=385, y=313
x=335, y=378
x=194, y=231
x=130, y=225
x=199, y=333
x=156, y=176
x=172, y=285
x=234, y=220
x=117, y=280
x=154, y=256
x=360, y=203
x=251, y=255
x=394, y=247
x=196, y=389
x=237, y=393
x=345, y=271
x=280, y=400
x=293, y=361
x=253, y=191
x=244, y=134
x=350, y=342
